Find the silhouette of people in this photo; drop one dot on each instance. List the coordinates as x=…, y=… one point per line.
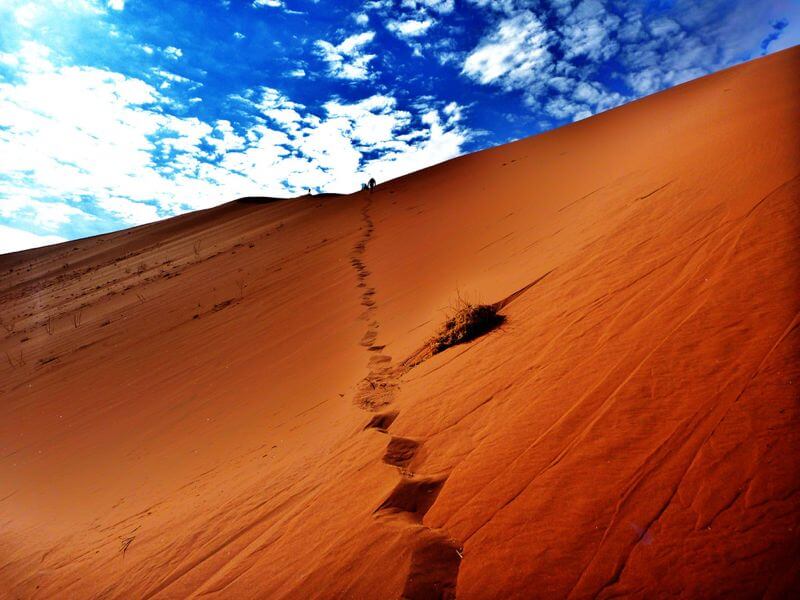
x=372, y=183
x=364, y=187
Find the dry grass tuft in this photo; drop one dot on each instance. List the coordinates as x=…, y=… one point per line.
x=466, y=322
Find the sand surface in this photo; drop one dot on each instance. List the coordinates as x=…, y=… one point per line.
x=215, y=405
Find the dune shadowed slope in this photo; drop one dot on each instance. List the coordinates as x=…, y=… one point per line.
x=222, y=404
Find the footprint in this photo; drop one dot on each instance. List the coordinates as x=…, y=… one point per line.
x=368, y=339
x=413, y=497
x=382, y=421
x=434, y=569
x=400, y=451
x=378, y=360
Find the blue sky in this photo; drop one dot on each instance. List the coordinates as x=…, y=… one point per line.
x=116, y=113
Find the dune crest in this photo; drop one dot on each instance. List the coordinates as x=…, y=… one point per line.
x=223, y=403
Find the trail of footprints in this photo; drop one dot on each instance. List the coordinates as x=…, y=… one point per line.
x=436, y=557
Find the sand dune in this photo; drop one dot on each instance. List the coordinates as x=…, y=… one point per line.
x=217, y=404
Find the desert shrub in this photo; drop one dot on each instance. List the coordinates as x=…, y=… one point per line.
x=467, y=322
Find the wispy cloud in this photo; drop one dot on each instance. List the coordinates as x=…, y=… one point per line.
x=348, y=59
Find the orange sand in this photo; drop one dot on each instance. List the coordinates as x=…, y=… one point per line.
x=183, y=405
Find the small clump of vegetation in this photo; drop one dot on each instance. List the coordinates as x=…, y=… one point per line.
x=468, y=321
x=465, y=322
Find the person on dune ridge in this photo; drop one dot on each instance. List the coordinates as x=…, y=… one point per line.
x=371, y=183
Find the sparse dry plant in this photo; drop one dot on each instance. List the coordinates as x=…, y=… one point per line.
x=196, y=248
x=76, y=319
x=465, y=322
x=241, y=284
x=50, y=326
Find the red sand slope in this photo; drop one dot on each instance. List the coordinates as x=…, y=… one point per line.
x=183, y=405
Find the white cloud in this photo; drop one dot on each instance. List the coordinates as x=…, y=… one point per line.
x=27, y=14
x=116, y=4
x=93, y=138
x=104, y=144
x=409, y=28
x=279, y=108
x=361, y=18
x=516, y=55
x=508, y=7
x=13, y=239
x=238, y=35
x=439, y=6
x=44, y=215
x=513, y=55
x=580, y=99
x=173, y=52
x=373, y=121
x=697, y=39
x=347, y=60
x=663, y=26
x=439, y=142
x=587, y=30
x=297, y=73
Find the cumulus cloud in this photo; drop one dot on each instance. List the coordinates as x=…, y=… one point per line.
x=588, y=31
x=410, y=28
x=13, y=239
x=105, y=145
x=518, y=54
x=338, y=148
x=48, y=216
x=173, y=52
x=512, y=54
x=27, y=14
x=555, y=53
x=695, y=39
x=348, y=59
x=578, y=100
